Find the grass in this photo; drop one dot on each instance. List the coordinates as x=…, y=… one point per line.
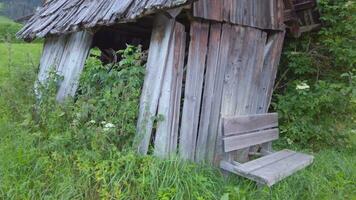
x=18, y=55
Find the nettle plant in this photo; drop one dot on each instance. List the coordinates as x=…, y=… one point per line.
x=316, y=86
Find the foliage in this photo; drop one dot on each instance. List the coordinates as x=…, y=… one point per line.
x=316, y=87
x=8, y=30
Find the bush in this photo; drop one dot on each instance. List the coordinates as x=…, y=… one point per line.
x=316, y=85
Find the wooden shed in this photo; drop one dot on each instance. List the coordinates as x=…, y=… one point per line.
x=208, y=60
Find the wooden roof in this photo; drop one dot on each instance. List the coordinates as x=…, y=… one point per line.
x=63, y=16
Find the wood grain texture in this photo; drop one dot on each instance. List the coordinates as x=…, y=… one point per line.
x=155, y=70
x=72, y=63
x=272, y=168
x=193, y=89
x=249, y=123
x=260, y=14
x=237, y=142
x=211, y=101
x=244, y=62
x=169, y=102
x=64, y=16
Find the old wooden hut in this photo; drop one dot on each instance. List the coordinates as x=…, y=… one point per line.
x=210, y=72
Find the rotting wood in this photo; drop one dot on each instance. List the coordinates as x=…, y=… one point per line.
x=156, y=64
x=169, y=102
x=193, y=89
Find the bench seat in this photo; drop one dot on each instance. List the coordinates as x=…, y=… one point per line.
x=271, y=168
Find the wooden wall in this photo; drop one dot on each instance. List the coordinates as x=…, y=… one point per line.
x=230, y=70
x=262, y=14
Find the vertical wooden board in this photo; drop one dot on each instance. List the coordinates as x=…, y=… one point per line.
x=52, y=54
x=72, y=63
x=193, y=89
x=169, y=102
x=157, y=59
x=207, y=136
x=272, y=55
x=209, y=9
x=216, y=123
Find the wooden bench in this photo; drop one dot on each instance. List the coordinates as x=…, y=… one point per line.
x=247, y=131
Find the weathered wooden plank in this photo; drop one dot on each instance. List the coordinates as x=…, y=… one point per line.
x=53, y=49
x=52, y=54
x=169, y=102
x=210, y=103
x=224, y=55
x=244, y=64
x=238, y=142
x=156, y=65
x=249, y=123
x=265, y=160
x=72, y=63
x=260, y=14
x=193, y=89
x=272, y=173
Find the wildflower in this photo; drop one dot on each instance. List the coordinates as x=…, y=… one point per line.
x=108, y=126
x=92, y=121
x=303, y=86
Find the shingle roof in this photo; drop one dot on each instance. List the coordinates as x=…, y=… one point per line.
x=63, y=16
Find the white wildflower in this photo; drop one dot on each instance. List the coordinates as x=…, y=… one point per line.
x=103, y=122
x=303, y=86
x=108, y=126
x=92, y=121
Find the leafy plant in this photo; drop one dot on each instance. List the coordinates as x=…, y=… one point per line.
x=316, y=85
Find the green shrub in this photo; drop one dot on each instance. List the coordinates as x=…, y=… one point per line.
x=316, y=85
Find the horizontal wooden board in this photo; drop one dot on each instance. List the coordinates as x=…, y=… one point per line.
x=272, y=173
x=270, y=169
x=265, y=160
x=249, y=123
x=233, y=143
